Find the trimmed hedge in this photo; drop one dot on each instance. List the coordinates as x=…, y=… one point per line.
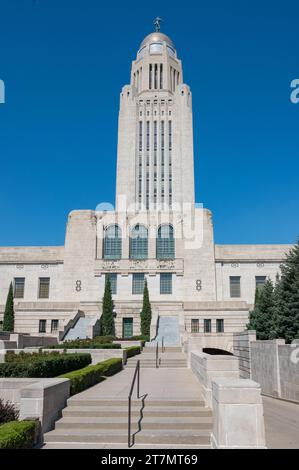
x=11, y=356
x=47, y=366
x=81, y=345
x=91, y=375
x=8, y=412
x=132, y=351
x=18, y=434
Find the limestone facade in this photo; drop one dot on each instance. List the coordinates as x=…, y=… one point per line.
x=194, y=279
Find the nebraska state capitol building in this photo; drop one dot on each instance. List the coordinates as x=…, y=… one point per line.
x=156, y=232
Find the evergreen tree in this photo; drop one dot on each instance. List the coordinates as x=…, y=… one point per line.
x=253, y=313
x=261, y=318
x=107, y=318
x=287, y=299
x=146, y=312
x=275, y=315
x=264, y=317
x=9, y=314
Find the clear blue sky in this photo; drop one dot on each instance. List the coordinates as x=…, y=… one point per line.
x=64, y=63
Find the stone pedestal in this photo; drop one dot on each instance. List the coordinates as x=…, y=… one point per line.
x=238, y=414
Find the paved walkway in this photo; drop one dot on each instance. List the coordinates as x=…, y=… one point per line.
x=161, y=383
x=281, y=424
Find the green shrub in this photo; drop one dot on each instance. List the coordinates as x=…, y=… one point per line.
x=132, y=351
x=10, y=356
x=8, y=412
x=86, y=345
x=46, y=366
x=17, y=434
x=91, y=375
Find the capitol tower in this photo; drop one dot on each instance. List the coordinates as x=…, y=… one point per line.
x=155, y=135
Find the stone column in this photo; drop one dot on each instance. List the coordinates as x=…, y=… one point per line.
x=238, y=414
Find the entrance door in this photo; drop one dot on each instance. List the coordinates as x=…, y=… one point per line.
x=127, y=327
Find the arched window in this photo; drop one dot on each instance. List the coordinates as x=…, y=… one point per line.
x=165, y=242
x=139, y=242
x=112, y=242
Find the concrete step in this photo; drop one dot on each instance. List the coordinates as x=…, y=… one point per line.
x=168, y=349
x=86, y=445
x=122, y=412
x=176, y=437
x=167, y=423
x=135, y=402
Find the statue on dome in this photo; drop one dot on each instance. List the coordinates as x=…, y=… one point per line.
x=157, y=24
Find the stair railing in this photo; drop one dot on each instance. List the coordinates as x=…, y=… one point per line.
x=163, y=347
x=136, y=375
x=157, y=355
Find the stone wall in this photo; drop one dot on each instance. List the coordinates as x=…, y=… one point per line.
x=241, y=349
x=37, y=398
x=275, y=366
x=208, y=367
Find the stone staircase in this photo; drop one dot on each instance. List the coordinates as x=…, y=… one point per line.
x=104, y=423
x=171, y=357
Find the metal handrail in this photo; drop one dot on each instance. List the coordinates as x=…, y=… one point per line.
x=136, y=374
x=157, y=355
x=163, y=347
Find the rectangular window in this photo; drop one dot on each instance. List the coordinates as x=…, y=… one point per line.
x=165, y=283
x=1, y=325
x=42, y=326
x=235, y=286
x=219, y=325
x=137, y=283
x=260, y=281
x=44, y=288
x=155, y=136
x=19, y=286
x=54, y=325
x=207, y=325
x=194, y=325
x=161, y=76
x=113, y=282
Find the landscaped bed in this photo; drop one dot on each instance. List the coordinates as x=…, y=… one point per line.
x=91, y=375
x=99, y=342
x=42, y=364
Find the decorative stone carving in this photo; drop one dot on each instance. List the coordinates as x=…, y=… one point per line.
x=110, y=265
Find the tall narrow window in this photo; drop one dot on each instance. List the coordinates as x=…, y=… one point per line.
x=165, y=242
x=161, y=76
x=219, y=325
x=260, y=281
x=150, y=76
x=165, y=283
x=194, y=325
x=137, y=283
x=139, y=242
x=113, y=282
x=147, y=136
x=140, y=136
x=162, y=142
x=155, y=136
x=207, y=325
x=54, y=326
x=42, y=326
x=44, y=288
x=156, y=76
x=170, y=135
x=112, y=242
x=19, y=286
x=235, y=286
